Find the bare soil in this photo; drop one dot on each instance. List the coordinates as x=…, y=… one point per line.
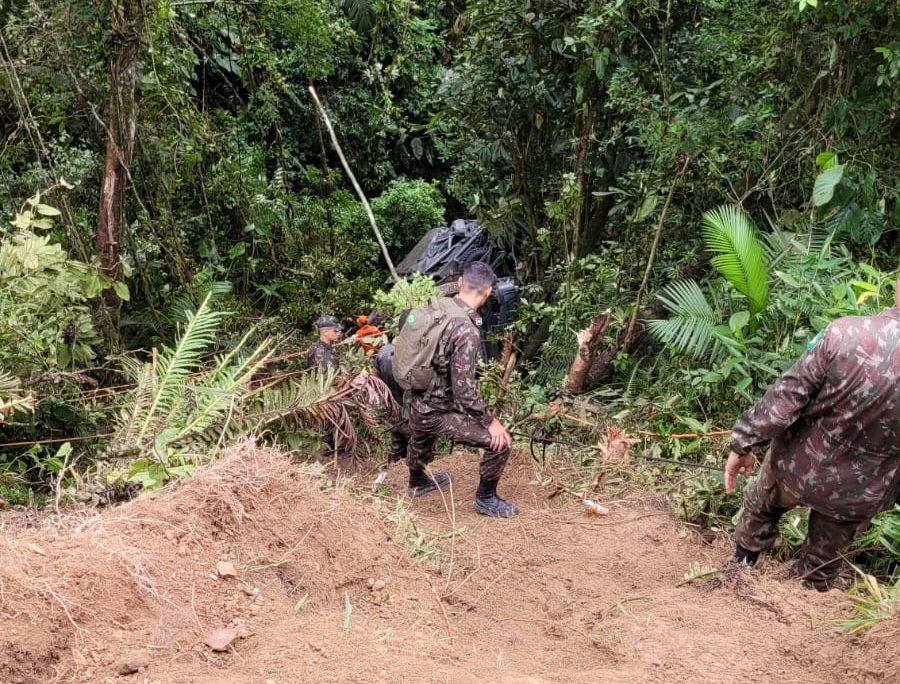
x=326, y=592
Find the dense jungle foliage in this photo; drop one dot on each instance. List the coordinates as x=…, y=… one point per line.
x=724, y=177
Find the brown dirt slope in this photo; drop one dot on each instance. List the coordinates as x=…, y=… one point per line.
x=324, y=593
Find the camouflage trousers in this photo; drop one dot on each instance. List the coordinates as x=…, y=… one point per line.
x=399, y=441
x=462, y=429
x=766, y=501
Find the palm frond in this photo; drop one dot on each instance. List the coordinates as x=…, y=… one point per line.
x=730, y=234
x=325, y=400
x=691, y=327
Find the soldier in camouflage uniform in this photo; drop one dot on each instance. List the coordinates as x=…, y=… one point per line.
x=321, y=355
x=832, y=423
x=453, y=408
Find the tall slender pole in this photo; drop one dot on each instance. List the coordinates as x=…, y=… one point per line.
x=362, y=197
x=629, y=331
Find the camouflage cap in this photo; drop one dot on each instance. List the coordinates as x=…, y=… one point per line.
x=328, y=322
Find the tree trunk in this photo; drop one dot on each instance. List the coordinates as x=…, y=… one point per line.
x=588, y=341
x=126, y=21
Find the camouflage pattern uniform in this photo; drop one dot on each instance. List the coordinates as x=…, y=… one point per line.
x=452, y=406
x=321, y=355
x=833, y=424
x=384, y=364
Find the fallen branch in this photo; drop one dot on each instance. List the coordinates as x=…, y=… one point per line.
x=588, y=340
x=355, y=183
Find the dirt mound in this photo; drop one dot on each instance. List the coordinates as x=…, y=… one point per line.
x=875, y=657
x=140, y=581
x=323, y=591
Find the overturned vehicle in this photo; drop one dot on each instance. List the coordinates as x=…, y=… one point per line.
x=443, y=253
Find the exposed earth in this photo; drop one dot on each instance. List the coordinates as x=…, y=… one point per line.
x=308, y=582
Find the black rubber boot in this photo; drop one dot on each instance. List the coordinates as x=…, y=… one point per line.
x=420, y=484
x=488, y=503
x=742, y=555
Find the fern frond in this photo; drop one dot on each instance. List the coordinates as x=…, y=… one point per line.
x=691, y=327
x=224, y=388
x=140, y=398
x=175, y=364
x=730, y=234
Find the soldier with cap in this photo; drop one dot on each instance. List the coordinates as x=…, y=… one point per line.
x=452, y=407
x=321, y=353
x=832, y=426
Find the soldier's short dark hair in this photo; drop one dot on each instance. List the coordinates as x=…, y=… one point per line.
x=478, y=276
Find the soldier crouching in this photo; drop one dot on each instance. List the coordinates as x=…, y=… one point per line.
x=453, y=408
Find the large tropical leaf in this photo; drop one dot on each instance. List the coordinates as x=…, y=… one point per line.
x=732, y=237
x=690, y=328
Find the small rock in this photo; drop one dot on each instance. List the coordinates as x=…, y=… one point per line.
x=225, y=569
x=212, y=575
x=220, y=639
x=87, y=675
x=171, y=534
x=370, y=582
x=132, y=667
x=270, y=681
x=378, y=586
x=250, y=591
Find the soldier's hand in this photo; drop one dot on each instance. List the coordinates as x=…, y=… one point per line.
x=499, y=436
x=737, y=464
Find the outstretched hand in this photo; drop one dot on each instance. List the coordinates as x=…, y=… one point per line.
x=735, y=465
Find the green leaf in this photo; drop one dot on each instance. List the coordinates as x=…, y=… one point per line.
x=121, y=290
x=22, y=221
x=738, y=321
x=646, y=208
x=47, y=210
x=826, y=182
x=826, y=160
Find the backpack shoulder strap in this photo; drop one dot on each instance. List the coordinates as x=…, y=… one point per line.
x=449, y=305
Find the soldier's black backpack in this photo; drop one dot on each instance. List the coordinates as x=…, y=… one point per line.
x=416, y=344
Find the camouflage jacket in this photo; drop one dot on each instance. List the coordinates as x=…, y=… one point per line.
x=321, y=355
x=833, y=419
x=455, y=362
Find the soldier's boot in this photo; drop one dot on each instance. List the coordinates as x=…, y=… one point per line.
x=488, y=503
x=420, y=484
